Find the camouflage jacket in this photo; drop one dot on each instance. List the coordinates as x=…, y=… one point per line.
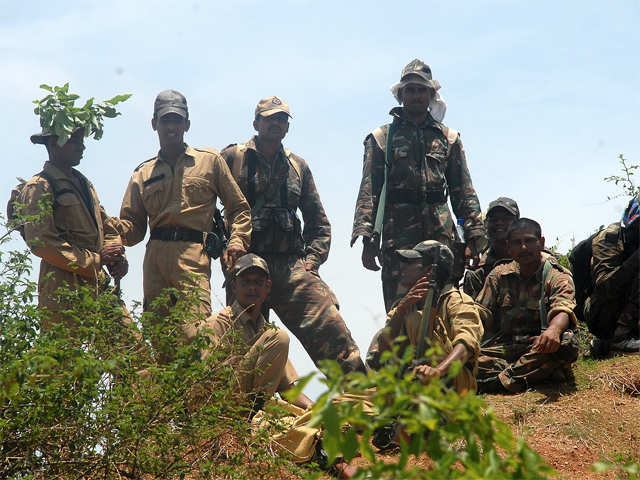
x=610, y=273
x=275, y=196
x=510, y=304
x=474, y=279
x=427, y=164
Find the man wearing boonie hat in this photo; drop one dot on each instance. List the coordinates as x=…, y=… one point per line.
x=77, y=238
x=457, y=328
x=276, y=184
x=176, y=193
x=501, y=214
x=406, y=202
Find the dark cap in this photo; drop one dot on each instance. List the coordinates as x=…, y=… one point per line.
x=170, y=101
x=270, y=106
x=42, y=137
x=429, y=250
x=250, y=260
x=507, y=203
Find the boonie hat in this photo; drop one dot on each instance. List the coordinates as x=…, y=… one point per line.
x=250, y=260
x=422, y=70
x=271, y=105
x=170, y=101
x=508, y=204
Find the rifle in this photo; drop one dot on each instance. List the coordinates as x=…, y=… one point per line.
x=427, y=324
x=216, y=240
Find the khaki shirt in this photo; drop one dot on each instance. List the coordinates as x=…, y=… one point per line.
x=233, y=320
x=72, y=235
x=457, y=321
x=183, y=195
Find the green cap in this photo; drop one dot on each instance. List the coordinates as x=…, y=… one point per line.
x=422, y=70
x=170, y=101
x=271, y=105
x=250, y=260
x=508, y=204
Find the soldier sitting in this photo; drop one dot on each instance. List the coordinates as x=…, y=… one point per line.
x=454, y=323
x=527, y=309
x=612, y=309
x=264, y=367
x=501, y=214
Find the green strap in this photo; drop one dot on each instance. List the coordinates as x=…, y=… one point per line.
x=426, y=328
x=544, y=322
x=382, y=202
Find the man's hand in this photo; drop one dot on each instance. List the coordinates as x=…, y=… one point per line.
x=231, y=254
x=369, y=253
x=415, y=294
x=119, y=268
x=475, y=246
x=548, y=341
x=111, y=253
x=426, y=373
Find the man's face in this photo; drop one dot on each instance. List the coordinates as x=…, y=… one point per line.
x=70, y=153
x=252, y=287
x=416, y=97
x=272, y=128
x=525, y=247
x=498, y=222
x=413, y=271
x=171, y=128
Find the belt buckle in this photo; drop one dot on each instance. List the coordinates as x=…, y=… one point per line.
x=174, y=235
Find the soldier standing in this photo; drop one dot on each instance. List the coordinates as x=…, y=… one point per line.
x=406, y=202
x=276, y=184
x=176, y=193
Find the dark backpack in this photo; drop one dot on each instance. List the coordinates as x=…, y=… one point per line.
x=580, y=259
x=13, y=217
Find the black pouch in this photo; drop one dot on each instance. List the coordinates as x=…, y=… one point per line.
x=214, y=245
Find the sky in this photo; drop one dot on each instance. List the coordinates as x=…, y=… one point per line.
x=545, y=95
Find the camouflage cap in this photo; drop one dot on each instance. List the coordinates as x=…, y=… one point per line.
x=431, y=251
x=508, y=204
x=170, y=101
x=271, y=105
x=422, y=70
x=250, y=260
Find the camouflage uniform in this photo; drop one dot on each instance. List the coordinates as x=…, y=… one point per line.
x=457, y=321
x=616, y=296
x=474, y=279
x=304, y=303
x=69, y=239
x=428, y=164
x=510, y=309
x=264, y=350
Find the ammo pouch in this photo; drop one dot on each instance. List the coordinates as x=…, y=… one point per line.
x=213, y=245
x=276, y=230
x=418, y=196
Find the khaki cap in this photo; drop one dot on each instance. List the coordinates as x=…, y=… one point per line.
x=170, y=101
x=508, y=204
x=250, y=260
x=271, y=105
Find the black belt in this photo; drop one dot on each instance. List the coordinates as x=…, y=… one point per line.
x=417, y=196
x=177, y=234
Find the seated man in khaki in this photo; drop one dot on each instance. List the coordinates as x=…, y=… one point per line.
x=527, y=310
x=263, y=364
x=456, y=327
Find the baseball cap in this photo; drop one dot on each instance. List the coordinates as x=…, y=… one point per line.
x=270, y=105
x=250, y=260
x=508, y=204
x=170, y=101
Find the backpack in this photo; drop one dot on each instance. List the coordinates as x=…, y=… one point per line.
x=580, y=259
x=13, y=210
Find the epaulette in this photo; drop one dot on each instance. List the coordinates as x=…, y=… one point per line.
x=451, y=134
x=380, y=136
x=206, y=150
x=229, y=146
x=146, y=161
x=612, y=234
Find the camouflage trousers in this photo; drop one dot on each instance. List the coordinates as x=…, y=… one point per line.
x=309, y=309
x=603, y=314
x=518, y=368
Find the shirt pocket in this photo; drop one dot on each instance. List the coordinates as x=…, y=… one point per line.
x=154, y=194
x=68, y=213
x=196, y=191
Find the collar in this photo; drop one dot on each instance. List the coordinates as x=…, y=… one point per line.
x=251, y=145
x=55, y=172
x=241, y=315
x=398, y=116
x=188, y=151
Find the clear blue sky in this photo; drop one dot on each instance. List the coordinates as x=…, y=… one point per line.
x=545, y=96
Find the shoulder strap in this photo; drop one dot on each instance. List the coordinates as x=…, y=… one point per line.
x=544, y=322
x=382, y=201
x=238, y=158
x=293, y=162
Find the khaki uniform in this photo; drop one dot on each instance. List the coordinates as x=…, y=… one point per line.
x=457, y=321
x=69, y=239
x=510, y=309
x=264, y=350
x=427, y=165
x=615, y=300
x=301, y=299
x=181, y=195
